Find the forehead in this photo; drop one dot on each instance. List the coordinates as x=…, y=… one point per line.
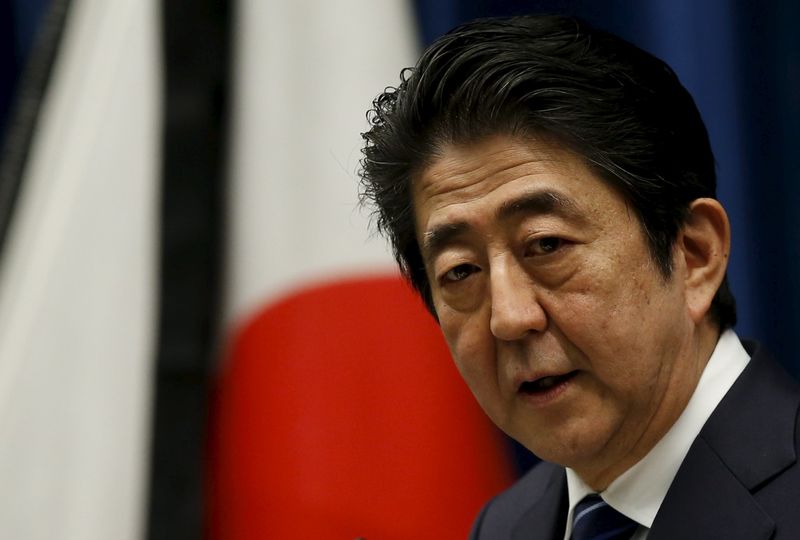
x=465, y=183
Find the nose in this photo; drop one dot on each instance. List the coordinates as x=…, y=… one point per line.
x=515, y=309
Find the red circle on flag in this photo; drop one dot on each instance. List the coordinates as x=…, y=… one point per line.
x=339, y=414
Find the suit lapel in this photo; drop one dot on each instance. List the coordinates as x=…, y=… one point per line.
x=706, y=501
x=546, y=519
x=747, y=441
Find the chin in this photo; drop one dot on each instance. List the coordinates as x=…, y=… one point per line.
x=566, y=450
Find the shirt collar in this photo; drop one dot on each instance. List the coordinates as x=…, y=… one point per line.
x=639, y=491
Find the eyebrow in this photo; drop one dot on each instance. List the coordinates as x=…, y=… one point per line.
x=538, y=202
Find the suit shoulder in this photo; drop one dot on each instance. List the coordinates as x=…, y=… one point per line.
x=544, y=483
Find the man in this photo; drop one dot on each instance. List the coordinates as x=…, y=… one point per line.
x=549, y=190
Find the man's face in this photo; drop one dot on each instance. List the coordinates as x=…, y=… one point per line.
x=557, y=318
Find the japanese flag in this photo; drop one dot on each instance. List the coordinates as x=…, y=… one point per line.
x=339, y=413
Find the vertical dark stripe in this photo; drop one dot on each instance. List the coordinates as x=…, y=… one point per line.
x=27, y=17
x=25, y=113
x=769, y=56
x=196, y=36
x=9, y=63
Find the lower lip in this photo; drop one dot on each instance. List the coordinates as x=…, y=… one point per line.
x=547, y=397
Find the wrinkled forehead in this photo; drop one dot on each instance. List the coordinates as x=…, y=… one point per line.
x=503, y=176
x=471, y=167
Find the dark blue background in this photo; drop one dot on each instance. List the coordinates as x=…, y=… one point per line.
x=18, y=22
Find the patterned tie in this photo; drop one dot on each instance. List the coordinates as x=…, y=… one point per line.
x=594, y=519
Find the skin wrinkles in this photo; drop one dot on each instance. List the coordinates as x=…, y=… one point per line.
x=587, y=300
x=501, y=164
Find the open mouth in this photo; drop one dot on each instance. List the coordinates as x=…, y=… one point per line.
x=545, y=384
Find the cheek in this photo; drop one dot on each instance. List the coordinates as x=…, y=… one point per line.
x=619, y=327
x=470, y=345
x=600, y=322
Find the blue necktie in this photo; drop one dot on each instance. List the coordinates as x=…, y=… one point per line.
x=594, y=519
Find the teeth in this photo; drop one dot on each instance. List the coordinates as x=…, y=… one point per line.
x=546, y=382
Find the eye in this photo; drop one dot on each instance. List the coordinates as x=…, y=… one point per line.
x=546, y=245
x=459, y=273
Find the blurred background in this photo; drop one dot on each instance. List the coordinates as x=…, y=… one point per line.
x=199, y=338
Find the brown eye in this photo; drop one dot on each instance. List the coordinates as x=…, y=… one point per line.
x=459, y=273
x=546, y=245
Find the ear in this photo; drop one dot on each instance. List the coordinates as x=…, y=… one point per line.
x=704, y=243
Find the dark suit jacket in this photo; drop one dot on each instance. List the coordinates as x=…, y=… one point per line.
x=740, y=479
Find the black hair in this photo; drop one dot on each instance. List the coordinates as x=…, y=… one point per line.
x=623, y=110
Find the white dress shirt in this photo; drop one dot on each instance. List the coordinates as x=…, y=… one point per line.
x=639, y=491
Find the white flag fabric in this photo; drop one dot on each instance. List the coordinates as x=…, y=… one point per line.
x=305, y=73
x=77, y=287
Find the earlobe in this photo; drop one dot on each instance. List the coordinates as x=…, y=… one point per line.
x=704, y=244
